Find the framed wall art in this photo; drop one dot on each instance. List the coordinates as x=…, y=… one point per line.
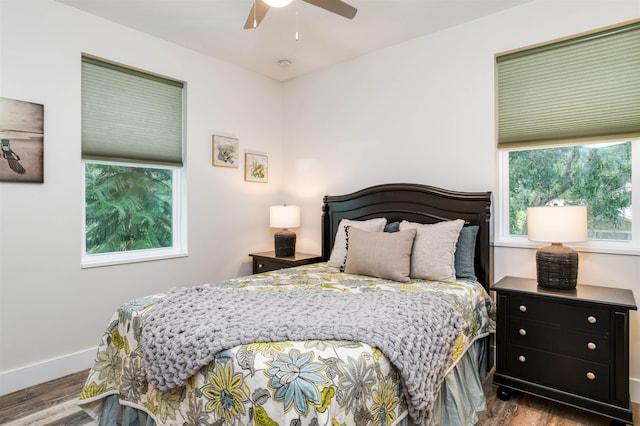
x=225, y=151
x=256, y=167
x=21, y=141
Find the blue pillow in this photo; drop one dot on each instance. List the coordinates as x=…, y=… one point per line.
x=466, y=252
x=392, y=227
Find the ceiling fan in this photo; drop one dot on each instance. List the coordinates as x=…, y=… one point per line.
x=261, y=7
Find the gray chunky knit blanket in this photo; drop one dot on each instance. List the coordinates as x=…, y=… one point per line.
x=184, y=330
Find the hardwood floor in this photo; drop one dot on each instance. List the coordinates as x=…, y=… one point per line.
x=524, y=409
x=54, y=404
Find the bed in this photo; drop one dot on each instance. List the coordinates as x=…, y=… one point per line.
x=369, y=336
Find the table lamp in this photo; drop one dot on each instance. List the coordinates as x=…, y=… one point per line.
x=284, y=217
x=557, y=265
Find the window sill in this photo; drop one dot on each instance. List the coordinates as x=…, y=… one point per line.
x=110, y=259
x=612, y=248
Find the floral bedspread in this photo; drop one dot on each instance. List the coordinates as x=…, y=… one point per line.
x=277, y=383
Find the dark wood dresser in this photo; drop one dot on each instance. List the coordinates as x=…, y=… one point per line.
x=569, y=346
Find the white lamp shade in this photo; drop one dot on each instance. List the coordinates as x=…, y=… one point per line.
x=284, y=216
x=277, y=3
x=557, y=224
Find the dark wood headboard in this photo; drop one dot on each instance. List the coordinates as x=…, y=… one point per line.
x=414, y=203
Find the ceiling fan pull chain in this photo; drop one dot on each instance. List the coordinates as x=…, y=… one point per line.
x=297, y=34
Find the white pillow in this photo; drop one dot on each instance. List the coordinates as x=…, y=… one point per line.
x=339, y=251
x=433, y=256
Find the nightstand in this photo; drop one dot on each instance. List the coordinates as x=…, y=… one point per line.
x=267, y=261
x=569, y=346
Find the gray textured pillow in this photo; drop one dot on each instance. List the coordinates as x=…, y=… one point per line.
x=339, y=251
x=379, y=254
x=466, y=253
x=434, y=248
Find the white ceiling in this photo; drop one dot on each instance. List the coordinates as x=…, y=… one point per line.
x=215, y=28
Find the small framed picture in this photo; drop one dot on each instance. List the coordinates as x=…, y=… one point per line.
x=225, y=151
x=256, y=167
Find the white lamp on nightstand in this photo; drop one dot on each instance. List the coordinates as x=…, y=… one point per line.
x=557, y=265
x=284, y=217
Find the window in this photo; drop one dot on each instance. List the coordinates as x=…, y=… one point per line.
x=132, y=165
x=568, y=118
x=596, y=175
x=128, y=207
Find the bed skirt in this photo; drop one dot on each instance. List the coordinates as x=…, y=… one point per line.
x=461, y=396
x=460, y=399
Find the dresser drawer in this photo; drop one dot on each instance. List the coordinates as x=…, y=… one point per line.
x=589, y=346
x=268, y=261
x=574, y=375
x=266, y=265
x=569, y=316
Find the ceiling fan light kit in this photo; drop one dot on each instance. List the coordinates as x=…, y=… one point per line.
x=277, y=3
x=261, y=7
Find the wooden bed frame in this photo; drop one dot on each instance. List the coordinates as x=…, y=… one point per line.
x=414, y=203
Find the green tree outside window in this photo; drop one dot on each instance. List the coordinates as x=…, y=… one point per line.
x=598, y=176
x=127, y=208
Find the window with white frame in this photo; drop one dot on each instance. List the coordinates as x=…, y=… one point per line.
x=132, y=164
x=568, y=125
x=599, y=176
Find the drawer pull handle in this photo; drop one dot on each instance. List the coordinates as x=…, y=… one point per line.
x=522, y=332
x=591, y=346
x=592, y=319
x=260, y=265
x=523, y=308
x=591, y=376
x=521, y=358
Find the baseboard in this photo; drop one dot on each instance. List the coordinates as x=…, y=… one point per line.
x=634, y=390
x=34, y=374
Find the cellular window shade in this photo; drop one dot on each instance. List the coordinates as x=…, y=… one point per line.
x=582, y=89
x=128, y=115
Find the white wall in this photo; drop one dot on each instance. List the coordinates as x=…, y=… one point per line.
x=52, y=312
x=423, y=112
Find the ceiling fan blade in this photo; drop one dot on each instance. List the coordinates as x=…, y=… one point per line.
x=335, y=6
x=258, y=14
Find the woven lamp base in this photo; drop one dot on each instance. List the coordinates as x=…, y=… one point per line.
x=557, y=267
